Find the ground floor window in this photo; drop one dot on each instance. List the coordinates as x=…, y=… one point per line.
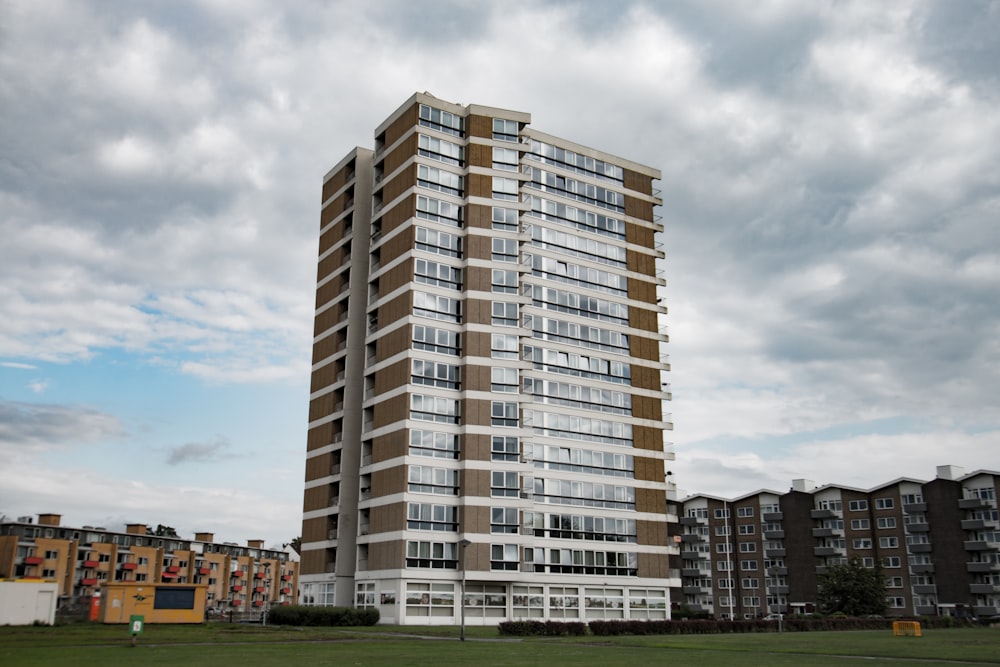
x=529, y=602
x=430, y=599
x=647, y=603
x=486, y=601
x=564, y=602
x=364, y=595
x=604, y=602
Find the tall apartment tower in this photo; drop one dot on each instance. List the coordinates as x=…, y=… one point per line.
x=488, y=380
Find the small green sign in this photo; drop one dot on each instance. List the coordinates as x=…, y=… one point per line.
x=136, y=622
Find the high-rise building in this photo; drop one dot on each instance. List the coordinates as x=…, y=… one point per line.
x=488, y=379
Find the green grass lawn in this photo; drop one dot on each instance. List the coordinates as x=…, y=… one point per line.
x=249, y=646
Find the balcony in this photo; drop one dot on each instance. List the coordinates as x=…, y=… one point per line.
x=914, y=508
x=774, y=553
x=260, y=575
x=918, y=527
x=980, y=545
x=778, y=590
x=286, y=577
x=924, y=589
x=90, y=563
x=88, y=582
x=827, y=551
x=33, y=560
x=236, y=603
x=128, y=566
x=774, y=534
x=984, y=589
x=773, y=516
x=237, y=588
x=926, y=610
x=777, y=571
x=826, y=532
x=922, y=568
x=973, y=503
x=172, y=569
x=923, y=548
x=692, y=572
x=692, y=538
x=974, y=524
x=695, y=590
x=693, y=521
x=236, y=574
x=258, y=603
x=204, y=570
x=985, y=566
x=286, y=591
x=987, y=610
x=259, y=589
x=694, y=555
x=823, y=514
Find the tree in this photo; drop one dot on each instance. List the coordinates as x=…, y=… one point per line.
x=295, y=544
x=852, y=589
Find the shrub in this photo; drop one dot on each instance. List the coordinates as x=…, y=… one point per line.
x=300, y=615
x=542, y=629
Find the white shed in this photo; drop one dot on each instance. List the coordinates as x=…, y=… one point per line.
x=23, y=602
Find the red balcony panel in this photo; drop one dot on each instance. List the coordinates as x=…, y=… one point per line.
x=173, y=569
x=129, y=566
x=286, y=591
x=236, y=574
x=169, y=575
x=258, y=603
x=237, y=603
x=204, y=570
x=237, y=588
x=88, y=582
x=260, y=575
x=90, y=563
x=33, y=560
x=286, y=577
x=258, y=589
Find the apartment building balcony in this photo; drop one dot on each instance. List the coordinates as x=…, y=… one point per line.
x=777, y=571
x=773, y=516
x=695, y=590
x=236, y=603
x=258, y=603
x=128, y=566
x=236, y=588
x=88, y=582
x=693, y=572
x=774, y=534
x=89, y=564
x=987, y=610
x=827, y=551
x=286, y=591
x=692, y=538
x=172, y=569
x=774, y=553
x=918, y=527
x=914, y=508
x=204, y=570
x=823, y=514
x=286, y=577
x=259, y=589
x=778, y=590
x=922, y=568
x=980, y=545
x=922, y=548
x=924, y=589
x=694, y=555
x=984, y=589
x=236, y=574
x=976, y=524
x=926, y=610
x=826, y=532
x=693, y=521
x=260, y=575
x=973, y=504
x=33, y=560
x=982, y=566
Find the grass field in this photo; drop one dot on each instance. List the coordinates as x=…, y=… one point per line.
x=249, y=646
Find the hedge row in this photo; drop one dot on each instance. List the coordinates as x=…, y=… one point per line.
x=299, y=615
x=545, y=629
x=711, y=627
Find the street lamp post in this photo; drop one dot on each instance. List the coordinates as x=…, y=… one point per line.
x=463, y=544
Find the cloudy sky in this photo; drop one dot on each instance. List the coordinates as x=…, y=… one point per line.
x=831, y=187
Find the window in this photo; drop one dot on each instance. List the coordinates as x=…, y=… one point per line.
x=505, y=219
x=892, y=561
x=426, y=516
x=504, y=281
x=746, y=529
x=504, y=413
x=886, y=522
x=441, y=150
x=434, y=408
x=750, y=582
x=888, y=542
x=575, y=218
x=504, y=188
x=504, y=485
x=440, y=243
x=586, y=494
x=505, y=448
x=895, y=602
x=576, y=427
x=832, y=505
x=862, y=543
x=503, y=520
x=505, y=130
x=437, y=274
x=723, y=530
x=443, y=121
x=884, y=504
x=575, y=303
x=504, y=314
x=723, y=548
x=435, y=374
x=748, y=565
x=571, y=188
x=504, y=250
x=503, y=379
x=581, y=335
x=440, y=180
x=744, y=511
x=860, y=524
x=751, y=601
x=857, y=505
x=437, y=307
x=503, y=346
x=748, y=547
x=431, y=555
x=725, y=583
x=503, y=557
x=433, y=444
x=580, y=396
x=425, y=479
x=505, y=158
x=912, y=499
x=580, y=365
x=435, y=340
